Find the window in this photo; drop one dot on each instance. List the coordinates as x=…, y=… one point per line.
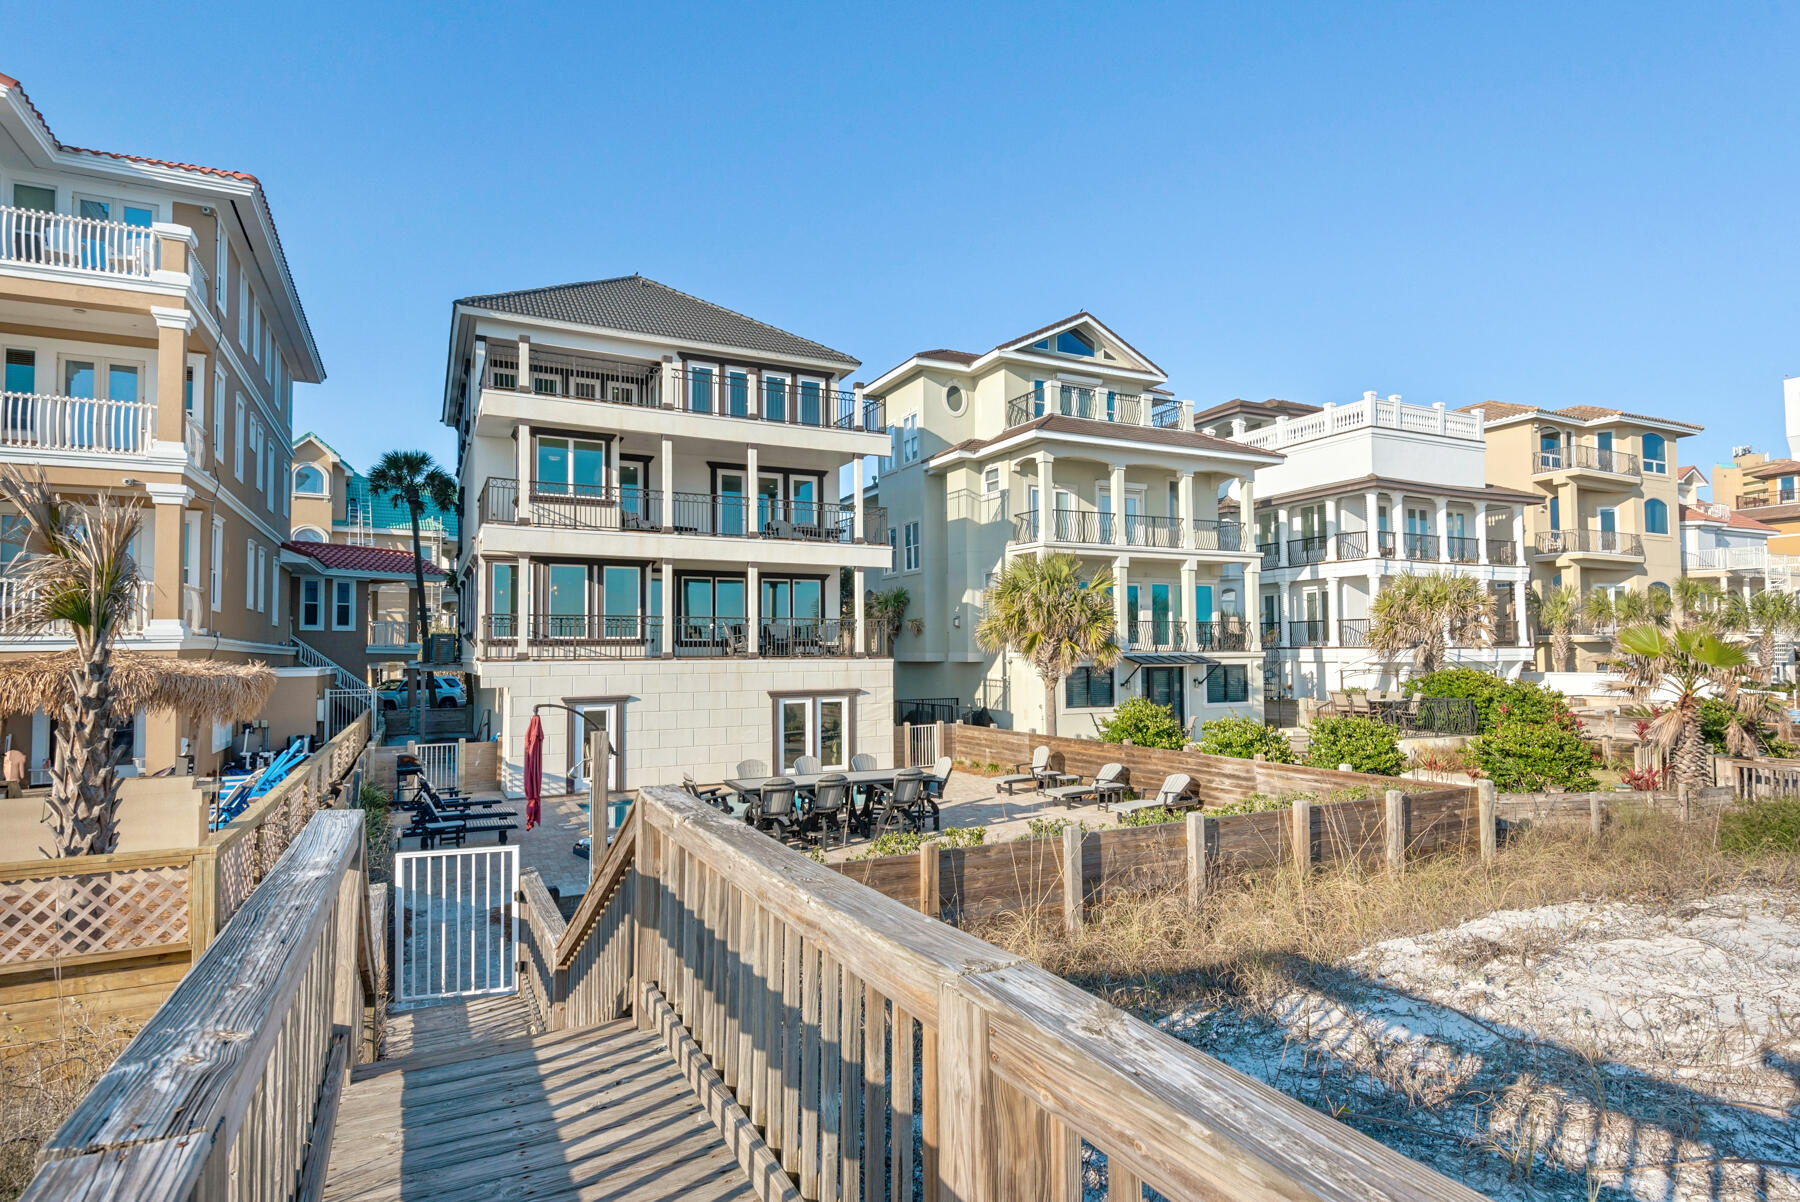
x=31, y=196
x=1227, y=685
x=774, y=398
x=256, y=333
x=1656, y=454
x=309, y=534
x=243, y=303
x=990, y=480
x=343, y=604
x=953, y=399
x=21, y=372
x=312, y=603
x=249, y=573
x=893, y=550
x=1656, y=517
x=256, y=452
x=571, y=466
x=13, y=531
x=262, y=579
x=909, y=438
x=215, y=567
x=503, y=600
x=912, y=547
x=1088, y=688
x=221, y=288
x=309, y=481
x=237, y=439
x=815, y=726
x=737, y=392
x=811, y=402
x=275, y=591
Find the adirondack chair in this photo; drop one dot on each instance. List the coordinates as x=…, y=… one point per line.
x=1112, y=782
x=1037, y=774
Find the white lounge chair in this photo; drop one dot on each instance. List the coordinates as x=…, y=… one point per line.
x=1037, y=774
x=1109, y=784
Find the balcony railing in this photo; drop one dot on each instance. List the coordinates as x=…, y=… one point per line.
x=1592, y=542
x=1371, y=412
x=391, y=632
x=1144, y=531
x=1210, y=535
x=1310, y=549
x=1503, y=551
x=37, y=422
x=1157, y=634
x=16, y=610
x=1352, y=544
x=1506, y=632
x=1271, y=554
x=1587, y=457
x=1421, y=546
x=1463, y=550
x=1774, y=496
x=1271, y=635
x=1069, y=400
x=78, y=243
x=1307, y=632
x=1353, y=632
x=590, y=507
x=1227, y=634
x=193, y=437
x=751, y=395
x=631, y=636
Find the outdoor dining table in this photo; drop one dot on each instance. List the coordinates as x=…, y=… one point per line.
x=804, y=781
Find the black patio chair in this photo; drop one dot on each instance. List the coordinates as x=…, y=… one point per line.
x=897, y=806
x=829, y=806
x=774, y=809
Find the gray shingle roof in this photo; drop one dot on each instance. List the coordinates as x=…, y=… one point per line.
x=643, y=306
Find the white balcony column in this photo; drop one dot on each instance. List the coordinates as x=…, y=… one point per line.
x=668, y=485
x=1190, y=606
x=1253, y=604
x=1443, y=417
x=753, y=516
x=1397, y=520
x=671, y=383
x=1331, y=527
x=1443, y=529
x=1282, y=558
x=860, y=638
x=1522, y=635
x=1481, y=548
x=169, y=502
x=522, y=471
x=1372, y=523
x=1046, y=493
x=523, y=383
x=668, y=609
x=1282, y=616
x=1184, y=411
x=1184, y=502
x=857, y=534
x=525, y=620
x=753, y=610
x=1122, y=616
x=1518, y=535
x=1146, y=403
x=1116, y=489
x=1246, y=514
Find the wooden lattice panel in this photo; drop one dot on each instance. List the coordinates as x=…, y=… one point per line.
x=82, y=913
x=238, y=875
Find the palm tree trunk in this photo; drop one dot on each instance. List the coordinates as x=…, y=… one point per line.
x=1765, y=652
x=429, y=684
x=1049, y=706
x=1691, y=765
x=84, y=786
x=1563, y=643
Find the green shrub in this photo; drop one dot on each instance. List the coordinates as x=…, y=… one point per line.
x=1715, y=716
x=1244, y=738
x=1154, y=816
x=1496, y=700
x=1050, y=828
x=905, y=843
x=1145, y=723
x=378, y=845
x=1363, y=743
x=1522, y=757
x=1761, y=826
x=1256, y=803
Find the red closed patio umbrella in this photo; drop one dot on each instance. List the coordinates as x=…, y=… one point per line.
x=534, y=772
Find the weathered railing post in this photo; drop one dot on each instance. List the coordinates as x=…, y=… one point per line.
x=1202, y=850
x=929, y=891
x=1394, y=827
x=1301, y=834
x=1596, y=816
x=1072, y=877
x=646, y=916
x=967, y=1160
x=1485, y=796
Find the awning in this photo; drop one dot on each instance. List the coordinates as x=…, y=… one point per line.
x=1168, y=659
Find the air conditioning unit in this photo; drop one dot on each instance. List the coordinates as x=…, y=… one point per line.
x=441, y=649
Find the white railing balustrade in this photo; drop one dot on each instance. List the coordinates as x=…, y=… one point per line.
x=193, y=435
x=78, y=243
x=38, y=422
x=386, y=633
x=1368, y=413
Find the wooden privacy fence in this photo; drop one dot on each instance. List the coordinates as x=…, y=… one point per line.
x=844, y=1042
x=1758, y=779
x=232, y=1086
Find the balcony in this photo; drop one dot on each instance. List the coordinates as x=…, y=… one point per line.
x=1271, y=554
x=1420, y=546
x=1503, y=551
x=1091, y=528
x=1370, y=413
x=1308, y=632
x=387, y=634
x=1227, y=634
x=14, y=599
x=1617, y=544
x=1156, y=634
x=1093, y=404
x=1353, y=632
x=1774, y=496
x=790, y=399
x=39, y=422
x=1463, y=550
x=32, y=238
x=1506, y=632
x=621, y=637
x=1310, y=549
x=1584, y=457
x=581, y=507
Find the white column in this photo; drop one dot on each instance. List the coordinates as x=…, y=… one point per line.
x=1372, y=522
x=1282, y=616
x=1190, y=606
x=1281, y=536
x=1518, y=536
x=857, y=534
x=668, y=485
x=1184, y=419
x=753, y=494
x=1046, y=491
x=524, y=622
x=1524, y=638
x=1115, y=484
x=1397, y=519
x=1246, y=513
x=522, y=452
x=1443, y=529
x=1481, y=527
x=1331, y=527
x=861, y=639
x=668, y=604
x=1253, y=604
x=523, y=383
x=753, y=610
x=1122, y=615
x=671, y=383
x=1184, y=501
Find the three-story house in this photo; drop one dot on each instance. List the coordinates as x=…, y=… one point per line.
x=653, y=543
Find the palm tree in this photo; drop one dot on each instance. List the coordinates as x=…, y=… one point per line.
x=887, y=613
x=1770, y=614
x=1598, y=613
x=1675, y=670
x=1425, y=612
x=413, y=479
x=1558, y=611
x=77, y=574
x=1694, y=596
x=1634, y=606
x=1041, y=609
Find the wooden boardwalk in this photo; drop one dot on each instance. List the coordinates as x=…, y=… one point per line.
x=469, y=1025
x=599, y=1113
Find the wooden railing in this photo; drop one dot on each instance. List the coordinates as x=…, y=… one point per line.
x=231, y=1090
x=1757, y=779
x=830, y=1031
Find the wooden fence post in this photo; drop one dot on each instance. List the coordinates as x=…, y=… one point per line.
x=928, y=880
x=1394, y=826
x=1072, y=877
x=1485, y=796
x=1595, y=815
x=967, y=1167
x=1202, y=850
x=1301, y=833
x=646, y=917
x=203, y=900
x=1687, y=802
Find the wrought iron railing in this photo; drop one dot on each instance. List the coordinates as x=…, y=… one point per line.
x=1211, y=535
x=1352, y=544
x=1054, y=398
x=1310, y=549
x=1227, y=634
x=1503, y=551
x=1157, y=634
x=1144, y=531
x=1307, y=632
x=1421, y=546
x=1353, y=632
x=1463, y=550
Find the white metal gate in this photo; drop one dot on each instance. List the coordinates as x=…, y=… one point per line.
x=343, y=707
x=438, y=760
x=456, y=922
x=922, y=746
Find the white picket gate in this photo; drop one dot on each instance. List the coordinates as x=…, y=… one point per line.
x=922, y=745
x=439, y=762
x=456, y=924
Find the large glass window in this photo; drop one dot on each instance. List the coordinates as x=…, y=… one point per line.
x=309, y=481
x=1088, y=688
x=811, y=409
x=731, y=503
x=31, y=196
x=1227, y=685
x=775, y=390
x=1074, y=342
x=737, y=393
x=571, y=466
x=343, y=604
x=503, y=600
x=1656, y=454
x=21, y=371
x=620, y=595
x=566, y=601
x=1656, y=517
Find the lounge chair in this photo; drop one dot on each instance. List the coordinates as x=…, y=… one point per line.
x=431, y=826
x=1109, y=785
x=1038, y=774
x=862, y=761
x=424, y=794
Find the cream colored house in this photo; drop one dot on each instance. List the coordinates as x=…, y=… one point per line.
x=1611, y=517
x=1065, y=440
x=152, y=336
x=654, y=540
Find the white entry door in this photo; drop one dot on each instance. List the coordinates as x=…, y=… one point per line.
x=600, y=717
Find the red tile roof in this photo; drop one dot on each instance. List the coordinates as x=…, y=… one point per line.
x=1737, y=521
x=8, y=81
x=339, y=557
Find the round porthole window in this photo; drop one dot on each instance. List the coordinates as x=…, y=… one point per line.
x=953, y=399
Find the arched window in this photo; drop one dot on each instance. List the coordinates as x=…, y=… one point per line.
x=1656, y=454
x=1656, y=517
x=309, y=481
x=308, y=534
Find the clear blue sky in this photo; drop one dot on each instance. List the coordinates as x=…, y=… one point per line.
x=1573, y=204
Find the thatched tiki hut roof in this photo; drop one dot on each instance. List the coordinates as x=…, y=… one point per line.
x=203, y=688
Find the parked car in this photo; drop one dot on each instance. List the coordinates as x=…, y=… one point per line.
x=451, y=693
